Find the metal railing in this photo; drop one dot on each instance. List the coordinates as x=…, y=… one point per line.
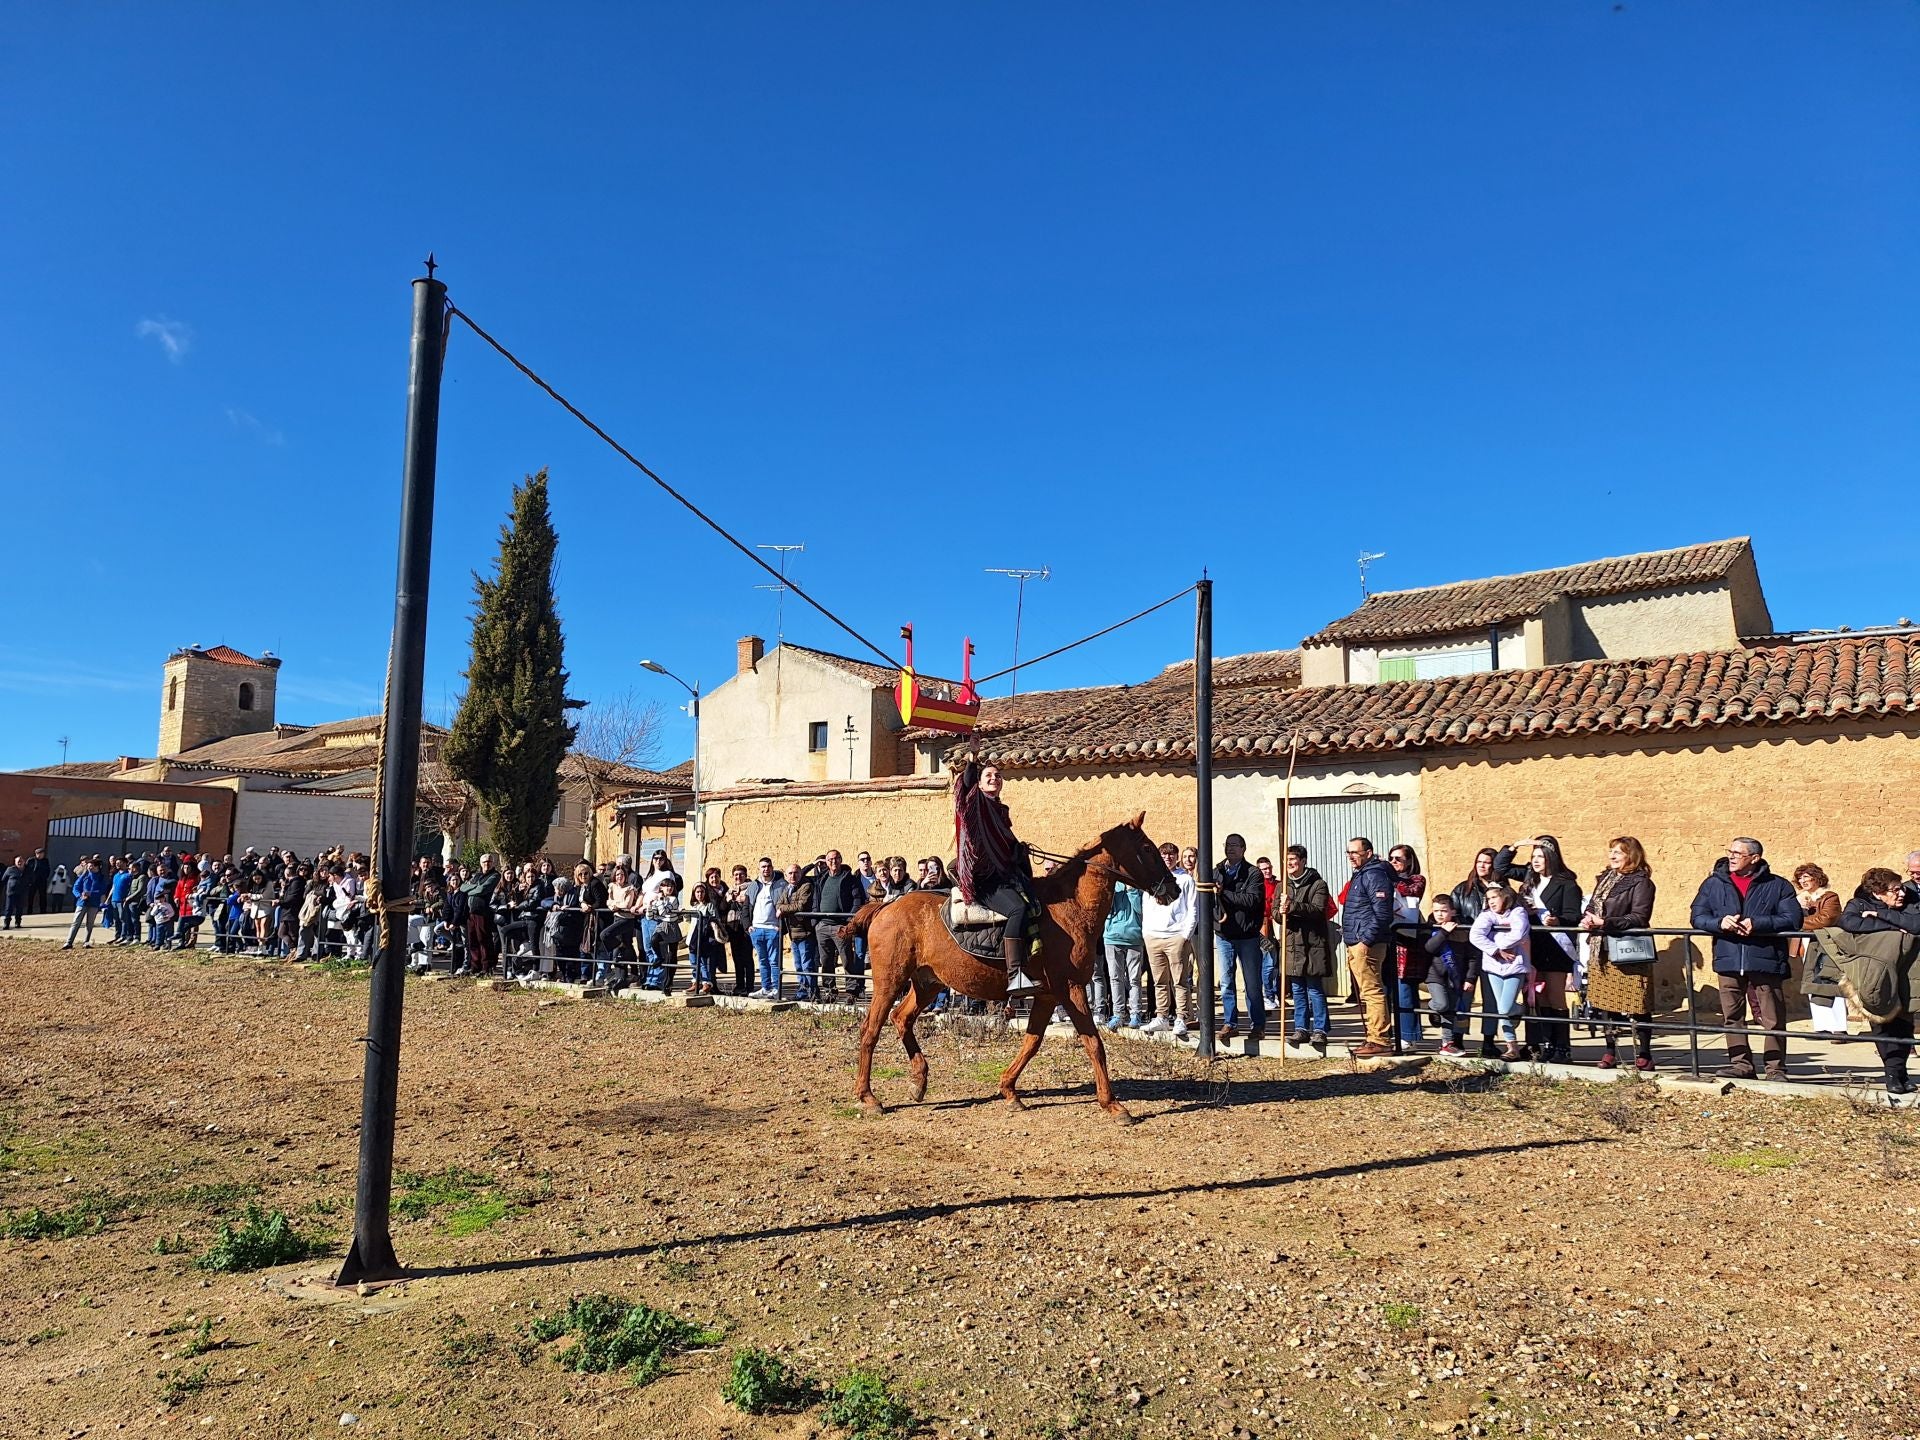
x=1692, y=1027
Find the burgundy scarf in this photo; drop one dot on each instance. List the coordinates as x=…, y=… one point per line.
x=982, y=836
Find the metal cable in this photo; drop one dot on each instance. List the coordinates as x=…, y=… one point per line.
x=638, y=464
x=1085, y=638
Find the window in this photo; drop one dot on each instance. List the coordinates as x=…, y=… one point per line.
x=817, y=736
x=1435, y=663
x=246, y=697
x=173, y=693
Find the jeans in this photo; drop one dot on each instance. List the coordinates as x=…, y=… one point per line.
x=86, y=913
x=1309, y=1003
x=766, y=955
x=1506, y=1001
x=1440, y=1006
x=1270, y=971
x=1406, y=994
x=1247, y=951
x=664, y=958
x=15, y=907
x=1116, y=991
x=806, y=965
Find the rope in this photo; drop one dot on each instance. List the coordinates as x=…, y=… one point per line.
x=695, y=510
x=1083, y=639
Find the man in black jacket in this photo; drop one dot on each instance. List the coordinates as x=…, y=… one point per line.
x=39, y=872
x=1241, y=895
x=837, y=893
x=1748, y=908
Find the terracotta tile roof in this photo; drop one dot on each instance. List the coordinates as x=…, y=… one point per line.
x=1838, y=678
x=227, y=655
x=1256, y=667
x=77, y=769
x=884, y=785
x=1477, y=604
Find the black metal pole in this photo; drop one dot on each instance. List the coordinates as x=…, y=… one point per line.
x=372, y=1257
x=1203, y=779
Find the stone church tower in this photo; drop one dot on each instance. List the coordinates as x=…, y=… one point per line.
x=211, y=694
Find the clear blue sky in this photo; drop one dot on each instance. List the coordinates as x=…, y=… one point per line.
x=1121, y=289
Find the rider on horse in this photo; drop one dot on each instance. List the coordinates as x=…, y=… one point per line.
x=991, y=867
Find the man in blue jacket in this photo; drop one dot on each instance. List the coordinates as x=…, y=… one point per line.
x=1366, y=929
x=1749, y=908
x=87, y=891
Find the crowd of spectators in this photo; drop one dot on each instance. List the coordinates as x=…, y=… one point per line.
x=1538, y=951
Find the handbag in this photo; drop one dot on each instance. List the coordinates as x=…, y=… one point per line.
x=1627, y=950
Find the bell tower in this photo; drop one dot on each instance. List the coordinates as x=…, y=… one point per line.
x=208, y=695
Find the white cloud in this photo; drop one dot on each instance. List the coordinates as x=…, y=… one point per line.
x=174, y=336
x=254, y=425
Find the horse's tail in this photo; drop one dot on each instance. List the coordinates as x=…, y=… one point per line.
x=857, y=923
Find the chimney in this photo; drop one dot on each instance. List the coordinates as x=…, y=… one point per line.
x=748, y=653
x=130, y=762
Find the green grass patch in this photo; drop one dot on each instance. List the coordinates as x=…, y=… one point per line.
x=472, y=1219
x=261, y=1239
x=1399, y=1315
x=988, y=1072
x=1754, y=1162
x=40, y=1337
x=221, y=1196
x=20, y=1155
x=863, y=1404
x=201, y=1341
x=175, y=1244
x=761, y=1383
x=88, y=1215
x=889, y=1072
x=612, y=1335
x=341, y=968
x=183, y=1384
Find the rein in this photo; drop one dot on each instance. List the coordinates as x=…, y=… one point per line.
x=1084, y=857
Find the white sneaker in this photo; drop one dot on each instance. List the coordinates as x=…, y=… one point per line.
x=1159, y=1025
x=1179, y=1029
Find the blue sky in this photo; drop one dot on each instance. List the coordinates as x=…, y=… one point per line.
x=1125, y=290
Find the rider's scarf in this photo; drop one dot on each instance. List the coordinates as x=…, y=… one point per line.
x=985, y=850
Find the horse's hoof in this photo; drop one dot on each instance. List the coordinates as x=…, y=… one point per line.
x=871, y=1105
x=1014, y=1102
x=1120, y=1113
x=919, y=1092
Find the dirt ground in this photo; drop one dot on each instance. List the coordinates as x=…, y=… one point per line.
x=1314, y=1253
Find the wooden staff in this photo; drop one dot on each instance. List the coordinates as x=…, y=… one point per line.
x=1286, y=891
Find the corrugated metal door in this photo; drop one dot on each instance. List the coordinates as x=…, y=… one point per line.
x=1324, y=825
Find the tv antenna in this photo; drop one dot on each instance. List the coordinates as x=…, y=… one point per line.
x=1367, y=557
x=1021, y=577
x=63, y=752
x=780, y=605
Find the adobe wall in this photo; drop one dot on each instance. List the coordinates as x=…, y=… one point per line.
x=911, y=823
x=1840, y=796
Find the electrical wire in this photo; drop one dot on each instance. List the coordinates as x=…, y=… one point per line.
x=638, y=464
x=1085, y=638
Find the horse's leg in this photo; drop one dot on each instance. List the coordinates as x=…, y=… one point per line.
x=888, y=983
x=1037, y=1020
x=1076, y=1003
x=904, y=1019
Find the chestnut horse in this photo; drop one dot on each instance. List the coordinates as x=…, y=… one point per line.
x=912, y=957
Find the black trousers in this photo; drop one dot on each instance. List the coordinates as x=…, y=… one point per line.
x=1894, y=1056
x=1007, y=897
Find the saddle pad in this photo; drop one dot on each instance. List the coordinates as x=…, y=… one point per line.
x=961, y=915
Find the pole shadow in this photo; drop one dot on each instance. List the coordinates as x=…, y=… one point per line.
x=909, y=1214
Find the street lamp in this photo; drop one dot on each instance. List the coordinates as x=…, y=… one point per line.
x=693, y=710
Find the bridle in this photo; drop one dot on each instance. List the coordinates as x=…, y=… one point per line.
x=1084, y=857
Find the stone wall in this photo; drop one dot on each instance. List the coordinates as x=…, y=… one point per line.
x=200, y=701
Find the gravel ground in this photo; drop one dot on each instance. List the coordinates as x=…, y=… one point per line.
x=1308, y=1252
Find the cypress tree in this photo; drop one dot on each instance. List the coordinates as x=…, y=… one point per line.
x=512, y=731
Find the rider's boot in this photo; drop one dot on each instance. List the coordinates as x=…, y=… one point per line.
x=1019, y=984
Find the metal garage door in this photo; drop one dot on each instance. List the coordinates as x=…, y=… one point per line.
x=1325, y=825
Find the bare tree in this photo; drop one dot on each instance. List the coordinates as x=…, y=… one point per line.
x=615, y=735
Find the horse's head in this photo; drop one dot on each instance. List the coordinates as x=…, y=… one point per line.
x=1136, y=859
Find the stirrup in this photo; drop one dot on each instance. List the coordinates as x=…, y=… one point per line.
x=1020, y=986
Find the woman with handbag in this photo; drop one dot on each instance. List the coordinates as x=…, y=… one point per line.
x=1620, y=963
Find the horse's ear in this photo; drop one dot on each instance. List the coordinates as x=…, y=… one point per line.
x=1139, y=822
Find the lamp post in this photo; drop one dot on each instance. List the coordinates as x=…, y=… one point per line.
x=693, y=710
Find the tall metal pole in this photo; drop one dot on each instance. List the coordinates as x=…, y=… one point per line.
x=372, y=1257
x=1203, y=778
x=699, y=837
